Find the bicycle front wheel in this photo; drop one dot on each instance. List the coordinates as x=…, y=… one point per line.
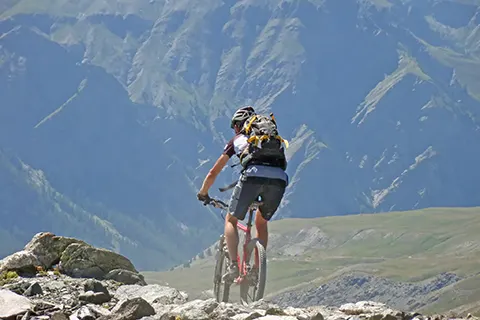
x=253, y=287
x=221, y=289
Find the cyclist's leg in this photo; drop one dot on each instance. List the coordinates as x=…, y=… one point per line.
x=243, y=195
x=272, y=194
x=262, y=228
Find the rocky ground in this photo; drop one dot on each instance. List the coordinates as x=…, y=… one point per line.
x=63, y=278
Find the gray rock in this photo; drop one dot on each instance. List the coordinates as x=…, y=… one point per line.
x=26, y=316
x=95, y=286
x=54, y=285
x=33, y=290
x=94, y=297
x=12, y=304
x=23, y=262
x=58, y=315
x=48, y=248
x=99, y=311
x=163, y=311
x=152, y=293
x=247, y=316
x=314, y=316
x=83, y=313
x=126, y=277
x=40, y=318
x=272, y=317
x=18, y=287
x=229, y=310
x=367, y=307
x=42, y=305
x=193, y=310
x=304, y=314
x=131, y=309
x=85, y=261
x=275, y=310
x=264, y=305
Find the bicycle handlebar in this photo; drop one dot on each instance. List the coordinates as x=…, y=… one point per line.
x=218, y=204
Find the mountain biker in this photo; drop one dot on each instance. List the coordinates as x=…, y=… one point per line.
x=266, y=181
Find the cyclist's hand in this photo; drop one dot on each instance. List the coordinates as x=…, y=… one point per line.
x=205, y=198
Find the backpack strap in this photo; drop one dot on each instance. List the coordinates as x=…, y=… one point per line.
x=254, y=139
x=273, y=118
x=249, y=125
x=257, y=139
x=283, y=140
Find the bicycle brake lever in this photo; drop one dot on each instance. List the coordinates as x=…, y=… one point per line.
x=223, y=203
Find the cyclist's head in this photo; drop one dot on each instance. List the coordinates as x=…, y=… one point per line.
x=241, y=115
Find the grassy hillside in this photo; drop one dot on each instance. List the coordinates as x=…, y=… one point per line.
x=406, y=246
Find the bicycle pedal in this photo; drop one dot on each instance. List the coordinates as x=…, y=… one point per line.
x=238, y=280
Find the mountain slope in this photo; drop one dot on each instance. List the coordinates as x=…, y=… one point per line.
x=30, y=204
x=124, y=105
x=43, y=207
x=92, y=148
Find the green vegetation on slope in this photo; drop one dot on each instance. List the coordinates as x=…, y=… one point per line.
x=461, y=298
x=403, y=246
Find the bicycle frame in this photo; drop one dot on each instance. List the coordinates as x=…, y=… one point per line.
x=249, y=276
x=241, y=261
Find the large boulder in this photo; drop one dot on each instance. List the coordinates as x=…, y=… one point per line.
x=131, y=309
x=43, y=250
x=12, y=304
x=152, y=293
x=83, y=260
x=372, y=310
x=126, y=277
x=21, y=262
x=48, y=247
x=75, y=258
x=366, y=307
x=193, y=310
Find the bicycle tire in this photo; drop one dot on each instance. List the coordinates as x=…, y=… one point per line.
x=259, y=285
x=221, y=263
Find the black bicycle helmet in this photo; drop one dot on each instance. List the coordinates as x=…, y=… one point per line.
x=241, y=115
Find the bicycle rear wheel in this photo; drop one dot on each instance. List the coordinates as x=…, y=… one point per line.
x=221, y=289
x=253, y=287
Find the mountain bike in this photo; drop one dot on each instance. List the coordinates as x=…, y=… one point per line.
x=250, y=277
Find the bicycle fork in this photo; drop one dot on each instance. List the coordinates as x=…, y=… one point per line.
x=244, y=264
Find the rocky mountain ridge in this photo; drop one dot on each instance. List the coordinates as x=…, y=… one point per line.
x=124, y=105
x=28, y=291
x=405, y=296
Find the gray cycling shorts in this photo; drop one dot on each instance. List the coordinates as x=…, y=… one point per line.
x=249, y=189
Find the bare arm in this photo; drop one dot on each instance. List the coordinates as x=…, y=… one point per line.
x=213, y=173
